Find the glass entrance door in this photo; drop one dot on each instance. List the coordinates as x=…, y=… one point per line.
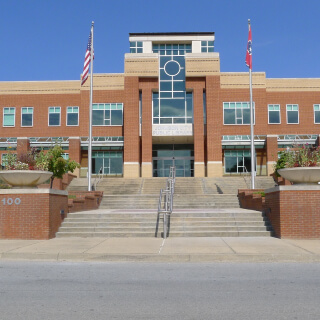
x=179, y=156
x=184, y=166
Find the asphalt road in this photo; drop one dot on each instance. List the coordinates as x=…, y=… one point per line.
x=50, y=290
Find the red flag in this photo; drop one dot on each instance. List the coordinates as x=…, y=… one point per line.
x=249, y=50
x=87, y=61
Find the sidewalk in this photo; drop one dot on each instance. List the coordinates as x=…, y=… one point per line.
x=262, y=249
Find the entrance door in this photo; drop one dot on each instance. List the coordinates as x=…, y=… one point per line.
x=179, y=156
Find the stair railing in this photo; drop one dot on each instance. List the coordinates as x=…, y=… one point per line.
x=97, y=179
x=165, y=204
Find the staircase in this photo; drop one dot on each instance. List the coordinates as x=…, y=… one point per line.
x=203, y=207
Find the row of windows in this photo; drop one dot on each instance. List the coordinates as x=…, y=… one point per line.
x=239, y=113
x=107, y=114
x=111, y=114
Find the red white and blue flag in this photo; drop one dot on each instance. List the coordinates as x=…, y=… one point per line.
x=87, y=60
x=249, y=50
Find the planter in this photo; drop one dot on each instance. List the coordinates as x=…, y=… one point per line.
x=301, y=175
x=26, y=179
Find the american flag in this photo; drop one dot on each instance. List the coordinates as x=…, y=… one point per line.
x=87, y=59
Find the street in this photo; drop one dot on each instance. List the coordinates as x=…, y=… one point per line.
x=50, y=290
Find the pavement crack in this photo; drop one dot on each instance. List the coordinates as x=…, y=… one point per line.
x=163, y=241
x=228, y=246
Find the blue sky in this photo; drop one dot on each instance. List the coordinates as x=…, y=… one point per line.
x=46, y=39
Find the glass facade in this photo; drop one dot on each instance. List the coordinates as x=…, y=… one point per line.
x=237, y=161
x=172, y=104
x=179, y=155
x=110, y=162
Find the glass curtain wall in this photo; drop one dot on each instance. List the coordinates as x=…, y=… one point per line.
x=110, y=162
x=172, y=104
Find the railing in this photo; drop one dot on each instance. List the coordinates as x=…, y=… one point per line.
x=97, y=179
x=166, y=201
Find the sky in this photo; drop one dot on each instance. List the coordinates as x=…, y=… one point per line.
x=47, y=39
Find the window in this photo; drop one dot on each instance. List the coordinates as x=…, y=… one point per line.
x=316, y=108
x=237, y=161
x=136, y=47
x=274, y=114
x=9, y=117
x=27, y=117
x=107, y=114
x=237, y=113
x=54, y=116
x=72, y=116
x=292, y=114
x=206, y=46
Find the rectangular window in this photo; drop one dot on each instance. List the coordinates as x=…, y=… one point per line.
x=316, y=108
x=107, y=114
x=54, y=116
x=292, y=114
x=274, y=114
x=136, y=47
x=9, y=117
x=206, y=46
x=237, y=113
x=72, y=116
x=27, y=117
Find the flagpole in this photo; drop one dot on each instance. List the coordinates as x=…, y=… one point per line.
x=253, y=164
x=90, y=114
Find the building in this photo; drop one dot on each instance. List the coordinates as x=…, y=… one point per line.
x=171, y=106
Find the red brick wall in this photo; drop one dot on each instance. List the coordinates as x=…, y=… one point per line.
x=37, y=216
x=198, y=85
x=131, y=120
x=146, y=86
x=294, y=213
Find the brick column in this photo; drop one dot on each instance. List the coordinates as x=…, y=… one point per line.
x=131, y=165
x=198, y=132
x=23, y=145
x=214, y=126
x=146, y=133
x=75, y=152
x=272, y=152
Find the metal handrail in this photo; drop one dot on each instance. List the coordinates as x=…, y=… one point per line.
x=97, y=179
x=165, y=203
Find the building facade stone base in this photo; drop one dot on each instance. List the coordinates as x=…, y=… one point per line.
x=214, y=169
x=131, y=170
x=146, y=170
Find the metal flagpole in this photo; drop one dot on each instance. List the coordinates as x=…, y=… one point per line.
x=253, y=162
x=90, y=114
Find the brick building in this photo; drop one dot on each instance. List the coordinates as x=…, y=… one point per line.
x=172, y=105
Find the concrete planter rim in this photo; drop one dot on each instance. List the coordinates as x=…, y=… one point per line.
x=301, y=175
x=26, y=179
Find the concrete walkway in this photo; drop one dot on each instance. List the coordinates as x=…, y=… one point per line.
x=158, y=250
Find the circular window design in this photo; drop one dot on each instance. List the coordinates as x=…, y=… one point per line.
x=172, y=68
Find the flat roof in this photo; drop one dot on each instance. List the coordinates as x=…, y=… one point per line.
x=172, y=34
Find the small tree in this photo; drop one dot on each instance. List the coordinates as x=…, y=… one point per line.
x=58, y=165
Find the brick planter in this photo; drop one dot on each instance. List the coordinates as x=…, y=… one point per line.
x=294, y=211
x=31, y=213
